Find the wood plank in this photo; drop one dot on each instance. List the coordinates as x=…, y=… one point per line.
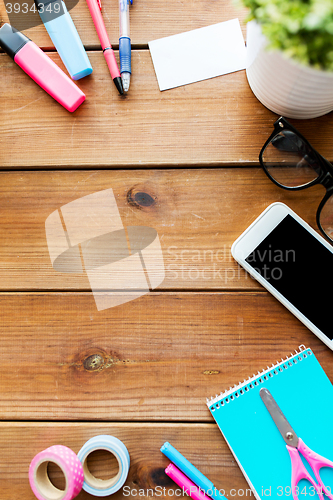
x=155, y=358
x=217, y=122
x=197, y=214
x=149, y=20
x=146, y=127
x=202, y=444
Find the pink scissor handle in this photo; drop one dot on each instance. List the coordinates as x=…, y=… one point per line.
x=316, y=462
x=298, y=472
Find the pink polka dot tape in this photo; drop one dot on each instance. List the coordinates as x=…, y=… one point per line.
x=71, y=467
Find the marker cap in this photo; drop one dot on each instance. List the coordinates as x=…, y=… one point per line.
x=11, y=40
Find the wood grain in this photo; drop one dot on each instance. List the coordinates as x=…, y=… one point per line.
x=156, y=358
x=197, y=214
x=217, y=122
x=140, y=371
x=147, y=127
x=149, y=20
x=202, y=444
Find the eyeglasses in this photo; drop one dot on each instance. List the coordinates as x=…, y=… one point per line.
x=292, y=163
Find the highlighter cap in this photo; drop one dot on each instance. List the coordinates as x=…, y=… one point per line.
x=11, y=40
x=50, y=9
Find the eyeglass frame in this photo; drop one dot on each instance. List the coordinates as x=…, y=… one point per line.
x=325, y=178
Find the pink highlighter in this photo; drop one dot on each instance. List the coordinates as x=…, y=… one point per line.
x=191, y=489
x=40, y=68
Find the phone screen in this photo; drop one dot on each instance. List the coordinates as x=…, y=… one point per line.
x=298, y=266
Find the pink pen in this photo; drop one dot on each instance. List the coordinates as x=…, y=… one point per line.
x=185, y=483
x=95, y=8
x=40, y=68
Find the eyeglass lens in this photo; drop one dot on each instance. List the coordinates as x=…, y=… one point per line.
x=290, y=161
x=326, y=217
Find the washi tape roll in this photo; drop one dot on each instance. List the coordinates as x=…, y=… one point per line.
x=71, y=467
x=104, y=487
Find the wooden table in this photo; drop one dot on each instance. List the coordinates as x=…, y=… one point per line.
x=140, y=371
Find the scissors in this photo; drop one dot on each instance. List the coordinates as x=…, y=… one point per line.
x=295, y=446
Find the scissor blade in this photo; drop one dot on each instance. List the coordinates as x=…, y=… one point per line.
x=287, y=432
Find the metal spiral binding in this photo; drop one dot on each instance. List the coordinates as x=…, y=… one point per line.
x=238, y=390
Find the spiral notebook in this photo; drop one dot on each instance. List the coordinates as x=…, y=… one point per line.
x=305, y=395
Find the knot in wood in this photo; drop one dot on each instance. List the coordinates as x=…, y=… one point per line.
x=143, y=199
x=140, y=199
x=93, y=362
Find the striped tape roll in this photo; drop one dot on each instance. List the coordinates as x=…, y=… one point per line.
x=71, y=467
x=104, y=487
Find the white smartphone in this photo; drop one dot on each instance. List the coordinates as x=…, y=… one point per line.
x=294, y=263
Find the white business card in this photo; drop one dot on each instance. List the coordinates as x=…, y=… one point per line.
x=198, y=54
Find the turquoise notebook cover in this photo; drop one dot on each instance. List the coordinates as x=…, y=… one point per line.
x=304, y=393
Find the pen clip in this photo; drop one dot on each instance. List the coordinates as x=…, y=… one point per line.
x=99, y=3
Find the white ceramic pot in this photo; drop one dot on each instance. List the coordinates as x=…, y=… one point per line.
x=282, y=85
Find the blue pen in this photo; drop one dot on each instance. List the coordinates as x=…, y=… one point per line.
x=65, y=37
x=124, y=43
x=191, y=472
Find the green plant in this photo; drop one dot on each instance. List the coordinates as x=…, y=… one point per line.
x=302, y=29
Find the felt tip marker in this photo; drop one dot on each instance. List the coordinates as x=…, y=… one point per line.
x=65, y=37
x=187, y=486
x=95, y=8
x=191, y=472
x=40, y=68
